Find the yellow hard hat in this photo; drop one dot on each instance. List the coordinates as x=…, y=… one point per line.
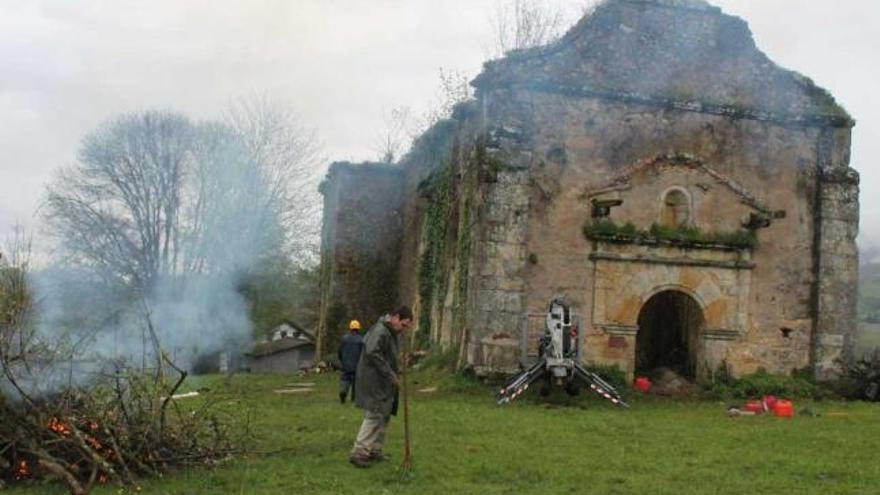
x=354, y=325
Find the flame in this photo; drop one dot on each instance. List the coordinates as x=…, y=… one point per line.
x=23, y=471
x=93, y=442
x=64, y=429
x=59, y=427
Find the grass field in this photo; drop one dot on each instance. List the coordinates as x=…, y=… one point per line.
x=464, y=443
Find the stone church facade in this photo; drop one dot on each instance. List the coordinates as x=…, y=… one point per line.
x=692, y=201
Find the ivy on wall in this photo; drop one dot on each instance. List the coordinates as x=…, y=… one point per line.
x=445, y=247
x=434, y=147
x=463, y=249
x=432, y=277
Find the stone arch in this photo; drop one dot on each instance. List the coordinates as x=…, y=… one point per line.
x=698, y=298
x=623, y=291
x=670, y=330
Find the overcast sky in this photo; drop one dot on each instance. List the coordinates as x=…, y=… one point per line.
x=67, y=65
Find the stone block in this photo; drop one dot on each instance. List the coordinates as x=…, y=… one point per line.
x=500, y=353
x=831, y=340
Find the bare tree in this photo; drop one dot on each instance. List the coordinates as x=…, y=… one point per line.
x=286, y=155
x=454, y=88
x=521, y=24
x=118, y=209
x=154, y=194
x=397, y=132
x=16, y=301
x=525, y=24
x=401, y=127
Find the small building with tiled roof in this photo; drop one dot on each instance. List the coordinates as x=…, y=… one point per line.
x=287, y=349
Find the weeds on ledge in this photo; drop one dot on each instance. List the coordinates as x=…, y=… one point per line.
x=605, y=229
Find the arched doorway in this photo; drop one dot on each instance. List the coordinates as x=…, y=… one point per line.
x=670, y=324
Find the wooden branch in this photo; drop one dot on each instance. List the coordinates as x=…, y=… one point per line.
x=96, y=458
x=176, y=386
x=63, y=474
x=128, y=479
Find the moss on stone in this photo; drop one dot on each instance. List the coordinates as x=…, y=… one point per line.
x=432, y=276
x=605, y=229
x=463, y=250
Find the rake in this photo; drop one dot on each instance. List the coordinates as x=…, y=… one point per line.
x=406, y=468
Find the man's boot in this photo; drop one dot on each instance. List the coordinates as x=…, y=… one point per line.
x=342, y=397
x=379, y=457
x=359, y=461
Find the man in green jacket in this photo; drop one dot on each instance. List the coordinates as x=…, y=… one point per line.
x=376, y=383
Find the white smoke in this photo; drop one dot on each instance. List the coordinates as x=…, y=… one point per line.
x=90, y=322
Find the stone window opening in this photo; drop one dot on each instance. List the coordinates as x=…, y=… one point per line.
x=676, y=209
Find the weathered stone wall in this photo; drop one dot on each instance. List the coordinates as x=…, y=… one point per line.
x=625, y=277
x=761, y=135
x=430, y=215
x=499, y=288
x=494, y=202
x=837, y=253
x=596, y=140
x=360, y=247
x=658, y=53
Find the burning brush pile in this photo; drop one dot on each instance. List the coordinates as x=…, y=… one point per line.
x=116, y=426
x=125, y=427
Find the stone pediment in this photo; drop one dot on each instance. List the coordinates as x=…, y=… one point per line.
x=624, y=179
x=680, y=54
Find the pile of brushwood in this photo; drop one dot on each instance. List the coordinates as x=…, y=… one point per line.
x=117, y=426
x=124, y=427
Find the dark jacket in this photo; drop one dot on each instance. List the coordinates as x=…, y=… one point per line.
x=377, y=369
x=350, y=351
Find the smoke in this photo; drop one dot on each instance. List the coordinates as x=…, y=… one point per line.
x=90, y=321
x=86, y=328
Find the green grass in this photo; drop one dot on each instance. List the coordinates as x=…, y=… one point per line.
x=463, y=443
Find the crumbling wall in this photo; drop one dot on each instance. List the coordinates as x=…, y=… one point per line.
x=360, y=247
x=440, y=199
x=616, y=91
x=596, y=139
x=493, y=202
x=837, y=256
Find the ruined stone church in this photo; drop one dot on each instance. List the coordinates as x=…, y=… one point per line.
x=691, y=200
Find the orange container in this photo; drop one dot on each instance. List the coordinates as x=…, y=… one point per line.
x=783, y=408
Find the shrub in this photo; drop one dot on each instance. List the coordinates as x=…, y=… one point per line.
x=438, y=359
x=605, y=228
x=600, y=228
x=862, y=380
x=612, y=374
x=762, y=383
x=629, y=230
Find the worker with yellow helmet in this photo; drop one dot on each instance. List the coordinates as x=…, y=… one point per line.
x=349, y=354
